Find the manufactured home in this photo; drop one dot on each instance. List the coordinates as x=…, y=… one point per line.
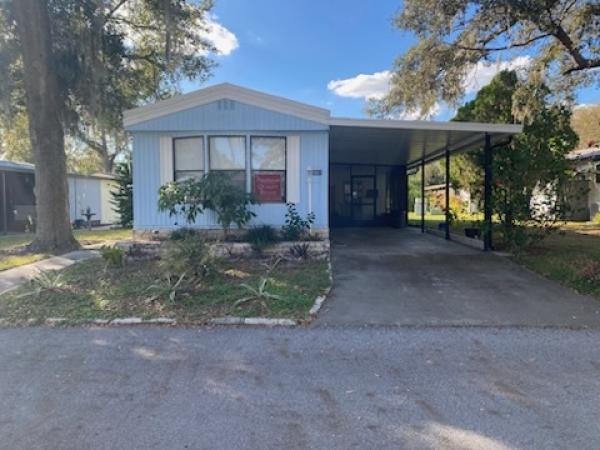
x=348, y=172
x=17, y=198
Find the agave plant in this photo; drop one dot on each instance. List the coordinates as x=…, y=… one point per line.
x=45, y=281
x=260, y=292
x=168, y=287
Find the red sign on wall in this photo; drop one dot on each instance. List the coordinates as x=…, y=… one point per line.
x=268, y=187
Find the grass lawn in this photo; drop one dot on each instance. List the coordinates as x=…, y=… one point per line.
x=13, y=252
x=91, y=292
x=571, y=257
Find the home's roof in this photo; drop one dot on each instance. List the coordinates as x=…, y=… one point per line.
x=219, y=92
x=350, y=140
x=592, y=153
x=17, y=166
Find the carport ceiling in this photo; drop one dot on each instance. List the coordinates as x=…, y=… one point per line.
x=407, y=142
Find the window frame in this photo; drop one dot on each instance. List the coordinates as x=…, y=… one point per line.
x=174, y=154
x=210, y=137
x=285, y=165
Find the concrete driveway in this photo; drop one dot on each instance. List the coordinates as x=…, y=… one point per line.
x=387, y=276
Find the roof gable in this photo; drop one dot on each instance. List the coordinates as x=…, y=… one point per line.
x=225, y=91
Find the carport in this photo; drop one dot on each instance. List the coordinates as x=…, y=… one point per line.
x=370, y=161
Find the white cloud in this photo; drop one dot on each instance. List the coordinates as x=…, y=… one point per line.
x=367, y=86
x=482, y=73
x=225, y=41
x=375, y=86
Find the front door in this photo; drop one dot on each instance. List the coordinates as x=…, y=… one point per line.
x=364, y=196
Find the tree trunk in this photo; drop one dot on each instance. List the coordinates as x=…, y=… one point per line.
x=53, y=229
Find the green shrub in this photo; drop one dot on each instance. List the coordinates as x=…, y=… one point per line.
x=597, y=219
x=190, y=255
x=301, y=251
x=182, y=233
x=112, y=256
x=44, y=282
x=214, y=191
x=261, y=236
x=296, y=228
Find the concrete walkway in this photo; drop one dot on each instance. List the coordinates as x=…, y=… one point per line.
x=12, y=278
x=401, y=277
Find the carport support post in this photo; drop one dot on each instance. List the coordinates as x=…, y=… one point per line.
x=447, y=228
x=423, y=196
x=4, y=206
x=487, y=194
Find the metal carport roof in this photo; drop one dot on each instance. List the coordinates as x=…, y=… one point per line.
x=407, y=142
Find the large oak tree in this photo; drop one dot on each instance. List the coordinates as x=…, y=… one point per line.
x=79, y=64
x=562, y=38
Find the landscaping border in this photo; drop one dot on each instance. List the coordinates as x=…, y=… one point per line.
x=226, y=320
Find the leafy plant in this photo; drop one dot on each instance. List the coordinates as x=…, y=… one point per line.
x=45, y=281
x=296, y=228
x=215, y=192
x=182, y=233
x=261, y=236
x=167, y=287
x=531, y=171
x=112, y=256
x=597, y=219
x=301, y=250
x=260, y=292
x=189, y=255
x=122, y=197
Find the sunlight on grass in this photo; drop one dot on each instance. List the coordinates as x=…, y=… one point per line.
x=8, y=262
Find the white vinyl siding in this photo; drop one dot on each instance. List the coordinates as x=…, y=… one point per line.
x=293, y=169
x=166, y=159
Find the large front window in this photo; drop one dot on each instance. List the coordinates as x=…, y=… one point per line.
x=228, y=155
x=268, y=169
x=188, y=155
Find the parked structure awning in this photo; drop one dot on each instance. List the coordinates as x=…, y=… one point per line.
x=407, y=142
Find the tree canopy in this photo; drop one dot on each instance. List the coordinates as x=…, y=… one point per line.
x=561, y=38
x=532, y=168
x=74, y=66
x=586, y=122
x=110, y=55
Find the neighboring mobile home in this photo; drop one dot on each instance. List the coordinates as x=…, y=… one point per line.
x=17, y=199
x=347, y=171
x=585, y=192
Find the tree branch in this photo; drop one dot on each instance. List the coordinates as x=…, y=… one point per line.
x=589, y=64
x=506, y=47
x=116, y=8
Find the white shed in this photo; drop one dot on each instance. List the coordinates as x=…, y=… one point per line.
x=93, y=192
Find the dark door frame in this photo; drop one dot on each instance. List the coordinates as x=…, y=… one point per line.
x=353, y=204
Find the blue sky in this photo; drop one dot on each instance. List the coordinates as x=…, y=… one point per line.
x=301, y=49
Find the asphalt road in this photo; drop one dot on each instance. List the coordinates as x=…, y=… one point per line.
x=330, y=388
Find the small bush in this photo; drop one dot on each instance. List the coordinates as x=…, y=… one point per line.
x=45, y=281
x=597, y=219
x=591, y=271
x=261, y=236
x=112, y=256
x=190, y=255
x=182, y=233
x=301, y=251
x=296, y=228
